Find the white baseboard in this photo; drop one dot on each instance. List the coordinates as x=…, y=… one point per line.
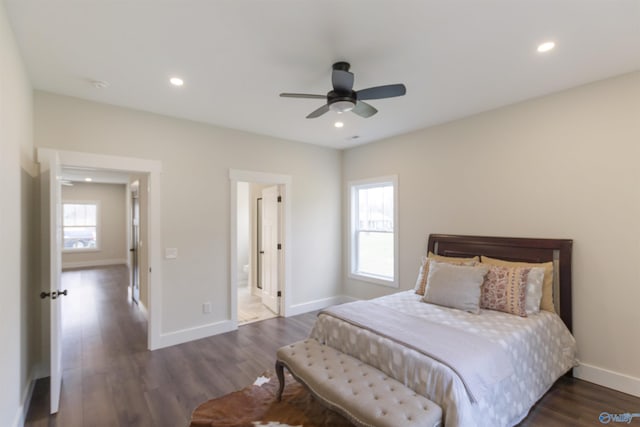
x=196, y=333
x=606, y=378
x=96, y=263
x=204, y=331
x=316, y=305
x=21, y=415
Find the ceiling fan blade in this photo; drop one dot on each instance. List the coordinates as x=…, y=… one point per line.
x=364, y=110
x=302, y=95
x=342, y=80
x=320, y=111
x=379, y=92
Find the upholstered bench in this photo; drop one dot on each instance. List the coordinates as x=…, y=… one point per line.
x=365, y=395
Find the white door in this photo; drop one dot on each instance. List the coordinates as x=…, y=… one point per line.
x=270, y=248
x=55, y=263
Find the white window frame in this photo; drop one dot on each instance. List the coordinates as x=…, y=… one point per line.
x=98, y=227
x=353, y=187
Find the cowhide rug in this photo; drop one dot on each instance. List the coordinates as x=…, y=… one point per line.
x=256, y=405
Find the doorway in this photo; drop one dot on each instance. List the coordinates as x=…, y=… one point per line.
x=150, y=171
x=258, y=263
x=51, y=164
x=260, y=236
x=104, y=223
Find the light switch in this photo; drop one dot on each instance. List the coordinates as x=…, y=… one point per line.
x=171, y=253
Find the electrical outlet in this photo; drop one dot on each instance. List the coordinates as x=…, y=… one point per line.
x=171, y=253
x=206, y=308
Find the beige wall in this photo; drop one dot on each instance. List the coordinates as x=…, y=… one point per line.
x=195, y=197
x=19, y=315
x=112, y=214
x=561, y=166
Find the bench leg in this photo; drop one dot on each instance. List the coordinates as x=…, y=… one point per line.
x=280, y=374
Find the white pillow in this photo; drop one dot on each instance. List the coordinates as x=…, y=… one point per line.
x=455, y=286
x=534, y=290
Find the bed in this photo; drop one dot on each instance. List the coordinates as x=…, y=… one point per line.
x=538, y=348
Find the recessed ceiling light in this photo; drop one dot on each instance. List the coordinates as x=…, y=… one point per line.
x=546, y=47
x=88, y=179
x=338, y=124
x=176, y=81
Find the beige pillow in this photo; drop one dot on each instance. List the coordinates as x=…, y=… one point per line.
x=505, y=289
x=421, y=282
x=547, y=285
x=455, y=286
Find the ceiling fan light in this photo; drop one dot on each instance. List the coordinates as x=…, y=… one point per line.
x=342, y=106
x=546, y=46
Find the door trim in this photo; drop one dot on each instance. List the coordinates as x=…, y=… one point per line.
x=285, y=183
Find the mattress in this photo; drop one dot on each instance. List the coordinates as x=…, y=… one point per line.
x=540, y=348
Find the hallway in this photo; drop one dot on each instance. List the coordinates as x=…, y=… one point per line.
x=111, y=379
x=103, y=333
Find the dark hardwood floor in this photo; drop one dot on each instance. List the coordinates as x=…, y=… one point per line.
x=110, y=379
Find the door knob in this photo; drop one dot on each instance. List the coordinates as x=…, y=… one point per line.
x=53, y=294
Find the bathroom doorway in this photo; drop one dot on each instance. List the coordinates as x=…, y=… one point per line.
x=258, y=258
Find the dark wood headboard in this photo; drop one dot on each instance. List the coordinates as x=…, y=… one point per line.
x=515, y=249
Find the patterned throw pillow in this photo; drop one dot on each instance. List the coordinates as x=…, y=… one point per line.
x=421, y=283
x=505, y=289
x=547, y=284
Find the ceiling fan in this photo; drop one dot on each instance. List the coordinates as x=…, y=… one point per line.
x=343, y=98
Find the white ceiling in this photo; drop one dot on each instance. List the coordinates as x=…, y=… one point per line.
x=456, y=57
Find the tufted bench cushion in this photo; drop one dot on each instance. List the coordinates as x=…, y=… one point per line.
x=362, y=393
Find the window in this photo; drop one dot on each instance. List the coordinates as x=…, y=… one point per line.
x=80, y=226
x=373, y=242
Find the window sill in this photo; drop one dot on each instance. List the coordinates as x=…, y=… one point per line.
x=374, y=279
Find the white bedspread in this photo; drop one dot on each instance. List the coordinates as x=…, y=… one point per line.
x=479, y=362
x=540, y=347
